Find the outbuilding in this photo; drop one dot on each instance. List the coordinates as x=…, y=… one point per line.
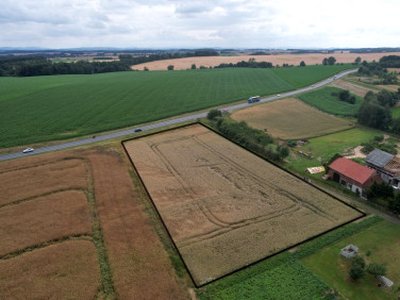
x=352, y=175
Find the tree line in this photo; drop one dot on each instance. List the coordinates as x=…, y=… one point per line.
x=39, y=65
x=255, y=140
x=36, y=66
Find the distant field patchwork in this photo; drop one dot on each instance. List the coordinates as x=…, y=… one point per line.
x=224, y=207
x=290, y=119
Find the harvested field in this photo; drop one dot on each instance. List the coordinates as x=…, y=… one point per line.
x=71, y=226
x=69, y=270
x=279, y=59
x=36, y=180
x=290, y=119
x=44, y=219
x=224, y=207
x=353, y=88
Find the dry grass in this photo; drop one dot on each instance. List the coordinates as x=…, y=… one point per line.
x=35, y=180
x=290, y=119
x=389, y=87
x=44, y=219
x=352, y=87
x=280, y=59
x=62, y=271
x=225, y=207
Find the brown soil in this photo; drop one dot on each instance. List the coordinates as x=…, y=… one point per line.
x=62, y=271
x=141, y=267
x=279, y=59
x=39, y=179
x=225, y=207
x=352, y=87
x=44, y=219
x=290, y=119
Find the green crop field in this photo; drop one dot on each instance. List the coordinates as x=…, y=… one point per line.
x=323, y=100
x=36, y=109
x=383, y=241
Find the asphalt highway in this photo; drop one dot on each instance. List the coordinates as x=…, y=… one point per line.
x=125, y=132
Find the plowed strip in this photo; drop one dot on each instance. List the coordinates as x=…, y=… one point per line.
x=34, y=222
x=68, y=270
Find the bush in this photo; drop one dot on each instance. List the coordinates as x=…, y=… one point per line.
x=377, y=269
x=170, y=68
x=356, y=272
x=212, y=114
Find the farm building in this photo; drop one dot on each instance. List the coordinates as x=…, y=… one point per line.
x=352, y=175
x=386, y=165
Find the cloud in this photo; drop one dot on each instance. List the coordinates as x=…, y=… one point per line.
x=179, y=23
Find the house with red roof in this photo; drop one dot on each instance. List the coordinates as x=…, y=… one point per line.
x=352, y=175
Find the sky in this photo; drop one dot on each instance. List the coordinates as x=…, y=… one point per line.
x=256, y=24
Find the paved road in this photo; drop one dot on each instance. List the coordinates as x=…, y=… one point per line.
x=122, y=133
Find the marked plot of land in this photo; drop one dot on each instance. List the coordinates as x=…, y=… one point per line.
x=224, y=207
x=290, y=119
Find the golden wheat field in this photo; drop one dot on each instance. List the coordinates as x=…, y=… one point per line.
x=224, y=207
x=278, y=59
x=290, y=119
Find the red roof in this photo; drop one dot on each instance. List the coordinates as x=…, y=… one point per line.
x=352, y=169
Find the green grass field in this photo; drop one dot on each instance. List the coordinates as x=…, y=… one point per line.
x=323, y=100
x=36, y=109
x=383, y=240
x=324, y=147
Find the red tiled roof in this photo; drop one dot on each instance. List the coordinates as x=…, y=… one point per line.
x=352, y=169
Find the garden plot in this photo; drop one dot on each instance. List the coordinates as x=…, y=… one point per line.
x=224, y=207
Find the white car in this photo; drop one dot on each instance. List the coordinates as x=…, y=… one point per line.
x=28, y=150
x=278, y=95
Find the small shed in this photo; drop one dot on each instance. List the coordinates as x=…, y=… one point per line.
x=386, y=282
x=349, y=251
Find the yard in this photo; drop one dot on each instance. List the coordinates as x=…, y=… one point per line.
x=383, y=241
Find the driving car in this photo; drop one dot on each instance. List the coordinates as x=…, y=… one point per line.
x=27, y=150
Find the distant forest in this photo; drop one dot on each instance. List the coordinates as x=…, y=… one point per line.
x=39, y=65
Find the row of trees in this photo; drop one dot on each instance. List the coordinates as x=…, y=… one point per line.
x=35, y=66
x=255, y=140
x=378, y=70
x=251, y=63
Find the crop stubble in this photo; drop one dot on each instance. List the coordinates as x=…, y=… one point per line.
x=290, y=119
x=224, y=207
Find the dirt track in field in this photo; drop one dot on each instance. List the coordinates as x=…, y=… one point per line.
x=290, y=119
x=63, y=215
x=225, y=207
x=279, y=59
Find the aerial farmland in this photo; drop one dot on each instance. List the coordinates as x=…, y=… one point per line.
x=224, y=207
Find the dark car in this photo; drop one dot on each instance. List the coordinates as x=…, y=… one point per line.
x=138, y=130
